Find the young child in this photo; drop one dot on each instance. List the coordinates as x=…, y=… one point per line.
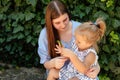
x=84, y=55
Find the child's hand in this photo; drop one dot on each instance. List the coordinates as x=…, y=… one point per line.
x=92, y=72
x=58, y=49
x=63, y=51
x=59, y=62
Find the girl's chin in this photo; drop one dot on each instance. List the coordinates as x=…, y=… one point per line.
x=63, y=30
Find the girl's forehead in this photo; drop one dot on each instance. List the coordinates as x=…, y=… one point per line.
x=80, y=37
x=60, y=18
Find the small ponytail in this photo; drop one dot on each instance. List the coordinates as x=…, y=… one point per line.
x=102, y=26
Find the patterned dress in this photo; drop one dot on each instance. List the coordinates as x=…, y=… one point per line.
x=68, y=71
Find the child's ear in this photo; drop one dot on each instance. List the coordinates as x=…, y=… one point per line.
x=90, y=43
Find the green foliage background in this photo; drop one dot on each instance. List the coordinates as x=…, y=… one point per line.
x=22, y=20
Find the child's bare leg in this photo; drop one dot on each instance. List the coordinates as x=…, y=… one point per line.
x=53, y=74
x=74, y=78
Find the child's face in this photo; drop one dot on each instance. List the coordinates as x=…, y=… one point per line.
x=82, y=42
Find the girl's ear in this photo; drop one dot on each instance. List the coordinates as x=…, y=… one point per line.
x=90, y=43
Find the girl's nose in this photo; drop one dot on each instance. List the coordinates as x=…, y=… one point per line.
x=63, y=25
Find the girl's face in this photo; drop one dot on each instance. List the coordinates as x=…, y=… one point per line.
x=61, y=23
x=81, y=42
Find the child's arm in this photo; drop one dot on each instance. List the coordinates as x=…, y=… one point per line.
x=80, y=66
x=85, y=65
x=93, y=71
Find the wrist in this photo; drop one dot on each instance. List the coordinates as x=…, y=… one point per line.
x=72, y=56
x=52, y=63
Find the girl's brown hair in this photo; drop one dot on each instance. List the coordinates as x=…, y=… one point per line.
x=92, y=31
x=54, y=9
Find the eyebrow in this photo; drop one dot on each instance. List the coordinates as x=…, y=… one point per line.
x=65, y=19
x=59, y=22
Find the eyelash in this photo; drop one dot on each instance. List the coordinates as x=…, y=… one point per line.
x=64, y=20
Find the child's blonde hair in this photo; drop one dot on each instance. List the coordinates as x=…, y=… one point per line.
x=92, y=31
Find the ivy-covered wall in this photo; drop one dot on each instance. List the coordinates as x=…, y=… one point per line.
x=22, y=20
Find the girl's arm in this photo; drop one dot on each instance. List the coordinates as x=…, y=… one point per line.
x=57, y=63
x=79, y=65
x=93, y=71
x=84, y=66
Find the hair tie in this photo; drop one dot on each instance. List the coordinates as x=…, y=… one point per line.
x=97, y=25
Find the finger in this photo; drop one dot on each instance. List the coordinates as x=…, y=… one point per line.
x=55, y=49
x=57, y=46
x=62, y=57
x=58, y=52
x=91, y=70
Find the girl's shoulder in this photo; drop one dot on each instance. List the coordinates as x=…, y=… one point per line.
x=75, y=23
x=43, y=32
x=43, y=35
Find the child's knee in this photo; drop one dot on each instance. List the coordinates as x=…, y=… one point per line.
x=74, y=78
x=54, y=73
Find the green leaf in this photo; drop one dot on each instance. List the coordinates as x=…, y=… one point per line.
x=29, y=38
x=9, y=38
x=103, y=0
x=21, y=16
x=32, y=2
x=16, y=16
x=109, y=3
x=43, y=21
x=2, y=16
x=6, y=4
x=29, y=16
x=114, y=37
x=20, y=36
x=117, y=13
x=27, y=33
x=116, y=23
x=8, y=47
x=106, y=48
x=33, y=42
x=17, y=2
x=17, y=29
x=2, y=40
x=45, y=1
x=91, y=1
x=101, y=14
x=87, y=9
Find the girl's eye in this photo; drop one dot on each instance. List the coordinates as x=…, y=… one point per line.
x=64, y=19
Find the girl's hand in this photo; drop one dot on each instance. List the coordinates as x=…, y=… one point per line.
x=63, y=51
x=93, y=72
x=59, y=62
